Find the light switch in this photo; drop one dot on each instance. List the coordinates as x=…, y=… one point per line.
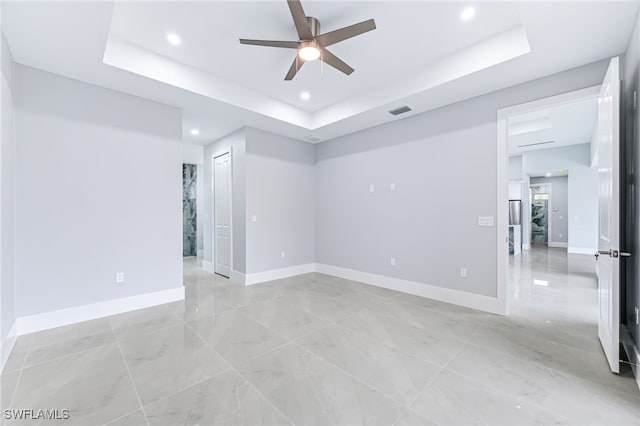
x=392, y=187
x=372, y=188
x=485, y=220
x=393, y=261
x=254, y=218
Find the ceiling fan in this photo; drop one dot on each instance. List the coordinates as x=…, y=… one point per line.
x=312, y=45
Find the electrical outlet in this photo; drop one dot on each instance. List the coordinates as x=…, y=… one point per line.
x=372, y=188
x=283, y=254
x=637, y=319
x=119, y=277
x=392, y=187
x=393, y=261
x=463, y=272
x=254, y=218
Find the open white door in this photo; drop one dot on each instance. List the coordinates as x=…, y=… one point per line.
x=222, y=214
x=608, y=151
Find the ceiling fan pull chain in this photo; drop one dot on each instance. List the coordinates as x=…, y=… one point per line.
x=321, y=65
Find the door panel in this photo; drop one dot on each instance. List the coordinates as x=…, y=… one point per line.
x=608, y=152
x=222, y=214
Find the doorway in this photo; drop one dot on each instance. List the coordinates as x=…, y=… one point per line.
x=222, y=213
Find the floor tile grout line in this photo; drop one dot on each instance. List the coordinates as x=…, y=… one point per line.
x=133, y=383
x=15, y=389
x=121, y=417
x=263, y=395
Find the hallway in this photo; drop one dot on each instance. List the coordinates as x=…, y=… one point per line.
x=315, y=349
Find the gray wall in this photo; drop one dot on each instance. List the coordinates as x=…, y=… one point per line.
x=98, y=191
x=280, y=193
x=515, y=168
x=582, y=190
x=559, y=201
x=631, y=184
x=443, y=164
x=237, y=142
x=7, y=201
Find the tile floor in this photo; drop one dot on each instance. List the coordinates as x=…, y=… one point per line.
x=318, y=350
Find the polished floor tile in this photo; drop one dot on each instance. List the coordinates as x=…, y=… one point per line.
x=235, y=336
x=454, y=400
x=434, y=345
x=392, y=372
x=93, y=385
x=320, y=350
x=50, y=344
x=285, y=319
x=169, y=360
x=226, y=399
x=311, y=391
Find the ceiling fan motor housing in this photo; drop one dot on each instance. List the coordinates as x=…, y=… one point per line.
x=314, y=24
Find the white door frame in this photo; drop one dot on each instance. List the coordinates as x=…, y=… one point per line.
x=502, y=219
x=213, y=207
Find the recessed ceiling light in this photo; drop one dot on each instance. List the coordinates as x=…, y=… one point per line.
x=195, y=132
x=548, y=175
x=305, y=96
x=174, y=39
x=467, y=13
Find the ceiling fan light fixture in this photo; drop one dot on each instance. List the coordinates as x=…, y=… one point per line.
x=309, y=51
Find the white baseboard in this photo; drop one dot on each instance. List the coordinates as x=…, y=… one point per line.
x=276, y=274
x=526, y=247
x=52, y=319
x=557, y=245
x=470, y=300
x=7, y=345
x=207, y=266
x=581, y=250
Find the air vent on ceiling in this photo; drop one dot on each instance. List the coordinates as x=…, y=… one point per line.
x=312, y=138
x=400, y=110
x=534, y=144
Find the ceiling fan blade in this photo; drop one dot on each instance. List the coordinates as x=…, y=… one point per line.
x=271, y=43
x=300, y=20
x=331, y=59
x=298, y=62
x=334, y=37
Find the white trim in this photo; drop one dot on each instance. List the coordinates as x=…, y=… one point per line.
x=276, y=274
x=558, y=245
x=52, y=319
x=502, y=181
x=207, y=266
x=470, y=300
x=582, y=250
x=7, y=344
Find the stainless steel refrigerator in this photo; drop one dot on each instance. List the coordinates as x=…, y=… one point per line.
x=515, y=212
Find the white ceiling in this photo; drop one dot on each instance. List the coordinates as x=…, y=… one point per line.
x=569, y=124
x=421, y=55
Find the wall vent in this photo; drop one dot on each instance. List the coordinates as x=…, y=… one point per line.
x=400, y=110
x=312, y=138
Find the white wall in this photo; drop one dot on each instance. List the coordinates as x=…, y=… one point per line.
x=443, y=164
x=98, y=191
x=281, y=194
x=514, y=171
x=7, y=204
x=237, y=143
x=582, y=190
